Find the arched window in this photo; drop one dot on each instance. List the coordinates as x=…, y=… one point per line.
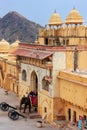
x=45, y=84
x=24, y=75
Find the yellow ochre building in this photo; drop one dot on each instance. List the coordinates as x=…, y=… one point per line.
x=54, y=66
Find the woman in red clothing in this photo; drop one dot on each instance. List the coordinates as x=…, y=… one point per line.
x=33, y=97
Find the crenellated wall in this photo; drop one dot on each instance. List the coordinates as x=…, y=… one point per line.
x=74, y=34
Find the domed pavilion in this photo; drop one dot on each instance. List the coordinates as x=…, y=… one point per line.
x=55, y=20
x=74, y=17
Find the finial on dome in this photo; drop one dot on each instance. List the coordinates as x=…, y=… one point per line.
x=55, y=11
x=74, y=7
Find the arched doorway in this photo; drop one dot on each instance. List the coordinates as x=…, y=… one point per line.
x=34, y=82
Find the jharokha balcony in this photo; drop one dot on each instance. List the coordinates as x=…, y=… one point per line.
x=48, y=78
x=49, y=65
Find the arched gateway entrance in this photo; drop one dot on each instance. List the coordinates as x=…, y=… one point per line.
x=34, y=82
x=34, y=89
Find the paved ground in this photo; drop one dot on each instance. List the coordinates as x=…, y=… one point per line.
x=21, y=123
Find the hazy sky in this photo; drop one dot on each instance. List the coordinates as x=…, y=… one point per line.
x=39, y=11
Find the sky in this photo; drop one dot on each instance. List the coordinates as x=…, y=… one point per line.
x=40, y=11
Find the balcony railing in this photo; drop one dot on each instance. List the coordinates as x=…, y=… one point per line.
x=49, y=65
x=48, y=78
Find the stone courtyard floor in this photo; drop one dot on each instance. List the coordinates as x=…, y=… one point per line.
x=22, y=123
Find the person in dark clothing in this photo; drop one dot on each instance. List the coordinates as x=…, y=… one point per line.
x=26, y=102
x=22, y=101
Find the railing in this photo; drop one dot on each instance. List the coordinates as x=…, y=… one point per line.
x=49, y=64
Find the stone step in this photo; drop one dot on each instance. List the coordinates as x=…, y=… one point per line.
x=34, y=115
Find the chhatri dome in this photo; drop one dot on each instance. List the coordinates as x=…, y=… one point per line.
x=4, y=46
x=15, y=44
x=74, y=17
x=55, y=20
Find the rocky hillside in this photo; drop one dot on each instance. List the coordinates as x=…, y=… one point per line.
x=15, y=26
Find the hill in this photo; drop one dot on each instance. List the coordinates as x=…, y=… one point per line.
x=15, y=26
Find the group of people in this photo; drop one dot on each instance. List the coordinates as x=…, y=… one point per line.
x=82, y=123
x=29, y=100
